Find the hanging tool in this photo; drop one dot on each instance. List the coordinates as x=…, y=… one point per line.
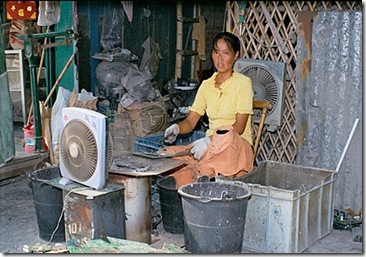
x=242, y=7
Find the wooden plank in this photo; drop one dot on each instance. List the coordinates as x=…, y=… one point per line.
x=187, y=52
x=188, y=20
x=179, y=43
x=21, y=164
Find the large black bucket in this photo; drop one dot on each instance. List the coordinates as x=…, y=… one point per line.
x=214, y=216
x=171, y=206
x=48, y=203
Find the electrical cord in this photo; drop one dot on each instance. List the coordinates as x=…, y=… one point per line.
x=63, y=210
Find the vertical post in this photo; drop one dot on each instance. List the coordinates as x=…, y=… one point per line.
x=227, y=20
x=196, y=60
x=179, y=60
x=34, y=90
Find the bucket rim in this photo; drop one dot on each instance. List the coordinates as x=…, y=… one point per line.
x=158, y=182
x=209, y=199
x=33, y=175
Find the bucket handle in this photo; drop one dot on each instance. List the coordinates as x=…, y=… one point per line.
x=226, y=196
x=32, y=176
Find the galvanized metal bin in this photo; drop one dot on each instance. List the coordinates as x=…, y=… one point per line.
x=291, y=207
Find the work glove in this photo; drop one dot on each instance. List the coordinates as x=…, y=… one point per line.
x=171, y=133
x=199, y=147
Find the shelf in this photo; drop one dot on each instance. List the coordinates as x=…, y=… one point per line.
x=15, y=71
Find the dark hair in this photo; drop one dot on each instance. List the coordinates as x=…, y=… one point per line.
x=231, y=40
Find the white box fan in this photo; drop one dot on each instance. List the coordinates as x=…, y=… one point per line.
x=85, y=147
x=268, y=80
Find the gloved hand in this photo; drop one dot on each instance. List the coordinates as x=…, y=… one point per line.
x=199, y=147
x=171, y=133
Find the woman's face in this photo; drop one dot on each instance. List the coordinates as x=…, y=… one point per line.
x=223, y=57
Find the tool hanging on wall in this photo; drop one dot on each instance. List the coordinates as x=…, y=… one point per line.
x=242, y=8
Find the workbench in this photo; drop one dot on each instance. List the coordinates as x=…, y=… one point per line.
x=129, y=164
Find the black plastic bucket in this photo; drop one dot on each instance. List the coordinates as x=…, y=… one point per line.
x=171, y=206
x=48, y=203
x=214, y=216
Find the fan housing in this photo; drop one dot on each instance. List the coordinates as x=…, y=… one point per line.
x=85, y=147
x=268, y=80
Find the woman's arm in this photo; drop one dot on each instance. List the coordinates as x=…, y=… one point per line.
x=240, y=123
x=189, y=123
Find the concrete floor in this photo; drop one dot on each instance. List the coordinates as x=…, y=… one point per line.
x=19, y=227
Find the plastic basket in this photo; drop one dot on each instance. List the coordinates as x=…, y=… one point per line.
x=151, y=144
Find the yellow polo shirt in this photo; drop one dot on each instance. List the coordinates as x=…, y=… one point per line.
x=222, y=104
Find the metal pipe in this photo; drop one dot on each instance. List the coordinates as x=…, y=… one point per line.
x=347, y=144
x=35, y=99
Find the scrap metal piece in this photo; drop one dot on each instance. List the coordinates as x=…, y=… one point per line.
x=159, y=154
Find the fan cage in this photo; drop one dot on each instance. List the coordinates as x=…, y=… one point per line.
x=264, y=85
x=79, y=150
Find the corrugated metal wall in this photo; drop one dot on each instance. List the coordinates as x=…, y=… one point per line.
x=329, y=99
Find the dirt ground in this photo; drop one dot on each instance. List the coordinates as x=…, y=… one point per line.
x=19, y=227
x=18, y=215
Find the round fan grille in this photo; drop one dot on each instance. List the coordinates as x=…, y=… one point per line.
x=264, y=85
x=79, y=150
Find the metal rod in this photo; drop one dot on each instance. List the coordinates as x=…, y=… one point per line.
x=347, y=145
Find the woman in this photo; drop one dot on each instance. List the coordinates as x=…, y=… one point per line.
x=227, y=99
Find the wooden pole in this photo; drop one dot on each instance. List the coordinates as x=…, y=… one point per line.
x=59, y=79
x=265, y=106
x=179, y=45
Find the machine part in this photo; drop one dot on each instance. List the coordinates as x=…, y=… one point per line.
x=32, y=57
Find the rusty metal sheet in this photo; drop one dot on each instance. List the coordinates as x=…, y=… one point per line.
x=130, y=164
x=94, y=217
